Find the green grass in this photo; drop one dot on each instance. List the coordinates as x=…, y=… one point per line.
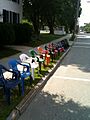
x=6, y=51
x=44, y=38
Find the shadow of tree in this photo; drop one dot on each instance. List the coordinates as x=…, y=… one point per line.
x=48, y=106
x=78, y=57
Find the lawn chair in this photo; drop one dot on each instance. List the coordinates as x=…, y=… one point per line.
x=23, y=68
x=31, y=61
x=23, y=57
x=33, y=53
x=11, y=83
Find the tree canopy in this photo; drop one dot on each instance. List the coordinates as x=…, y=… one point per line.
x=51, y=13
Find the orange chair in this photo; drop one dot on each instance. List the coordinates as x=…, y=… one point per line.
x=47, y=59
x=40, y=50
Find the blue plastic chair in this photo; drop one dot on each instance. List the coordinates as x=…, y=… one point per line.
x=26, y=69
x=10, y=84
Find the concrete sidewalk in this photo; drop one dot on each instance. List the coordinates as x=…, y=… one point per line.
x=25, y=49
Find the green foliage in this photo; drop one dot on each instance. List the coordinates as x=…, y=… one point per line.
x=15, y=33
x=7, y=34
x=52, y=13
x=23, y=33
x=87, y=28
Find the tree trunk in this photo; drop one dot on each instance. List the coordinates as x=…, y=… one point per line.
x=51, y=30
x=36, y=28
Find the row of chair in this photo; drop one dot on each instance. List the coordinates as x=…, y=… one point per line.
x=26, y=63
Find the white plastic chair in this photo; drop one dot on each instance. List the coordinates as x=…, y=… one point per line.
x=23, y=57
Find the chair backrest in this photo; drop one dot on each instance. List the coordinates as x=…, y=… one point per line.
x=23, y=57
x=40, y=50
x=33, y=53
x=1, y=73
x=13, y=64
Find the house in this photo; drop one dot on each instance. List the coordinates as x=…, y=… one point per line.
x=10, y=11
x=59, y=30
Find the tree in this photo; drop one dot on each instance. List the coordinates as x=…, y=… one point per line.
x=51, y=12
x=32, y=13
x=87, y=27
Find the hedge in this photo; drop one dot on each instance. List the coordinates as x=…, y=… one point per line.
x=23, y=33
x=7, y=34
x=15, y=33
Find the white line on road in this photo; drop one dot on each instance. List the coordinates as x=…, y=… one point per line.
x=72, y=78
x=82, y=47
x=81, y=43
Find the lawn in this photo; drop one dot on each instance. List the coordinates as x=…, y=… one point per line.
x=44, y=38
x=6, y=51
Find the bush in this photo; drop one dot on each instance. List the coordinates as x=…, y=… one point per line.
x=23, y=33
x=15, y=33
x=7, y=34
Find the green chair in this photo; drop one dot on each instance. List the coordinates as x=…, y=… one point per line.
x=33, y=53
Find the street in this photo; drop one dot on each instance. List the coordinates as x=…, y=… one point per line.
x=66, y=96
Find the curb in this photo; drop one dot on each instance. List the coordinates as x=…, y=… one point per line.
x=21, y=107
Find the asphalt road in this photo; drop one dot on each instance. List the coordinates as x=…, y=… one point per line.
x=66, y=96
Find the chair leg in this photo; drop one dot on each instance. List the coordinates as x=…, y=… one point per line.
x=22, y=85
x=4, y=89
x=7, y=93
x=31, y=80
x=19, y=87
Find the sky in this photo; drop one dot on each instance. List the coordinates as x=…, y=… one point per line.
x=85, y=16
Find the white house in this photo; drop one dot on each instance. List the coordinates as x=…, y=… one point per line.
x=60, y=30
x=10, y=11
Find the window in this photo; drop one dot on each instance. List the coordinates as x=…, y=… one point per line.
x=16, y=1
x=5, y=16
x=10, y=17
x=14, y=17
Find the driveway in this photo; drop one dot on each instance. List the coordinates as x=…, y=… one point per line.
x=66, y=96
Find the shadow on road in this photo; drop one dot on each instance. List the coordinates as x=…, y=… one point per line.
x=56, y=107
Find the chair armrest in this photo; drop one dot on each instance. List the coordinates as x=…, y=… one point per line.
x=26, y=64
x=15, y=74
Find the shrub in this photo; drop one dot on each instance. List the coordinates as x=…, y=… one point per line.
x=23, y=33
x=7, y=34
x=15, y=33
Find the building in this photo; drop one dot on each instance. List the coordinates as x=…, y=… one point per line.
x=10, y=11
x=59, y=30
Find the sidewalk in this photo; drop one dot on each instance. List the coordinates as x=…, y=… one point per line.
x=25, y=49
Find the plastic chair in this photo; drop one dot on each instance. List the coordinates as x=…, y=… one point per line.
x=24, y=69
x=33, y=53
x=31, y=61
x=23, y=57
x=47, y=60
x=11, y=83
x=41, y=50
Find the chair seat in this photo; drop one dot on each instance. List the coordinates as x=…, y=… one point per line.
x=25, y=74
x=12, y=83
